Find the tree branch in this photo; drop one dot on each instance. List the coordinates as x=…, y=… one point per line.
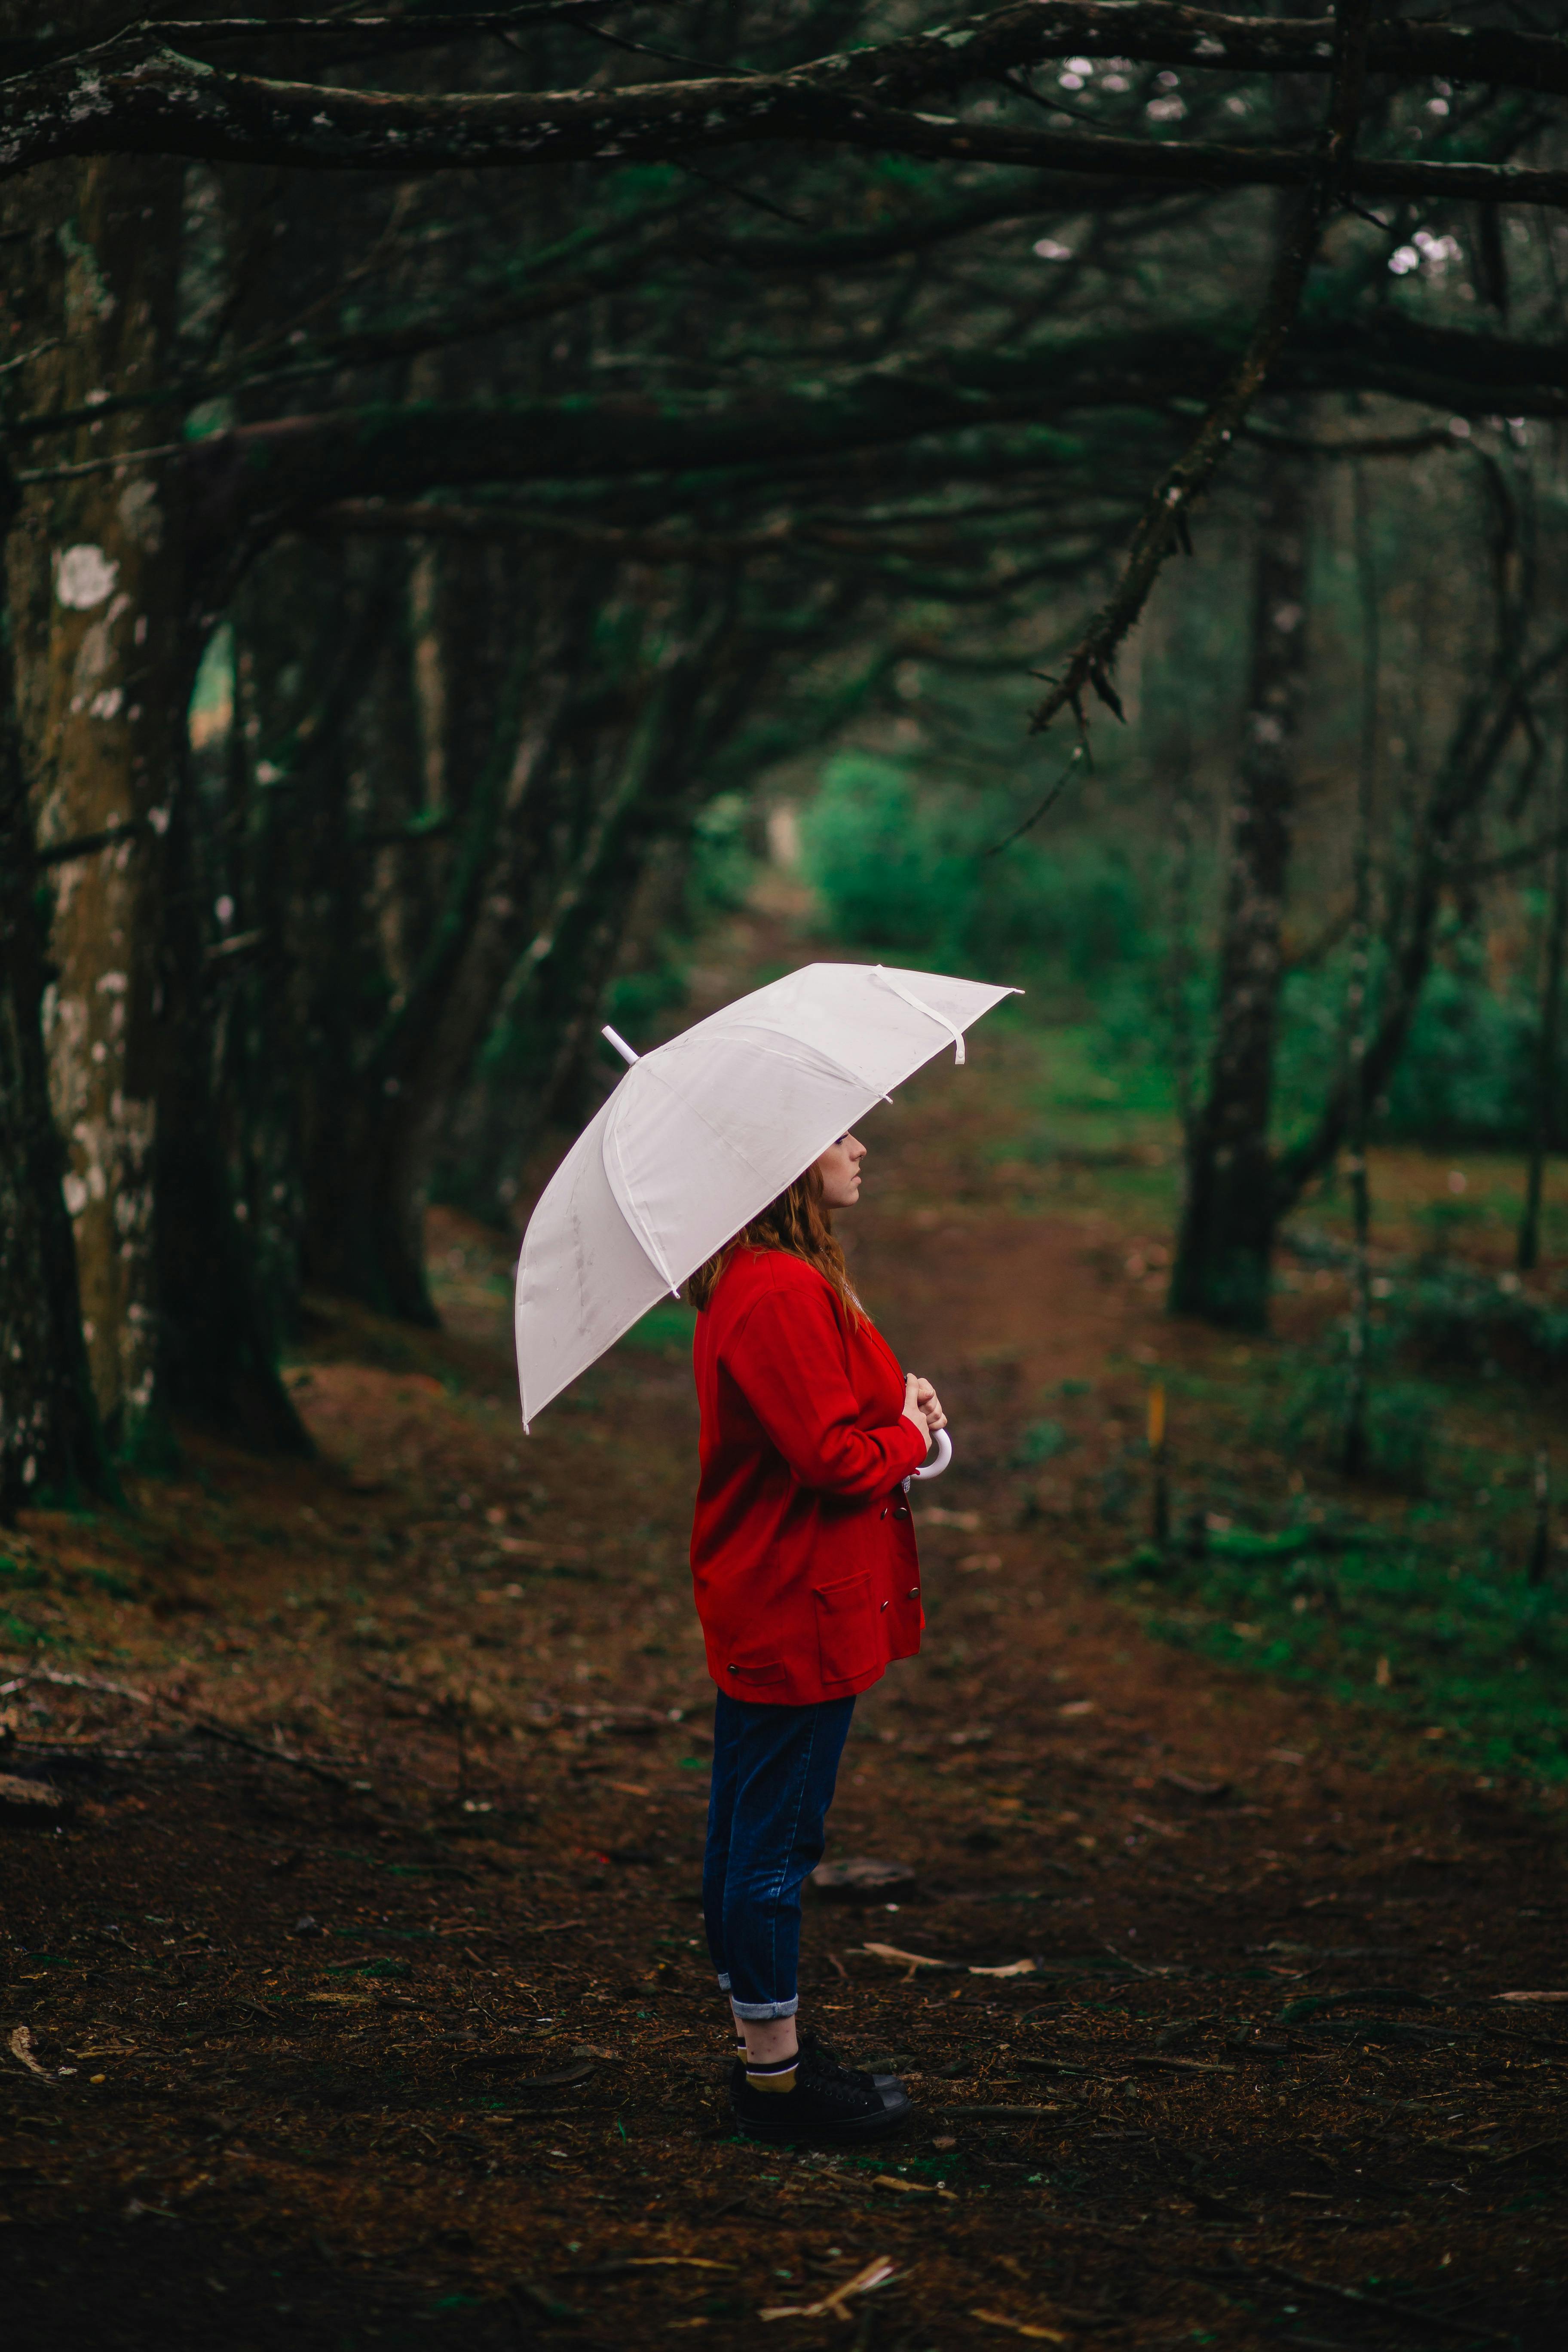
x=976, y=48
x=136, y=96
x=1163, y=524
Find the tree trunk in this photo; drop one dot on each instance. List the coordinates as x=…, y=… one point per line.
x=51, y=1444
x=218, y=1358
x=95, y=579
x=1548, y=1047
x=1227, y=1236
x=1358, y=1007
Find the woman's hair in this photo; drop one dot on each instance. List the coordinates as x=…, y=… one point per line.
x=795, y=1221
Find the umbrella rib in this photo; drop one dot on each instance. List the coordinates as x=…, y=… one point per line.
x=919, y=1004
x=626, y=1194
x=645, y=1241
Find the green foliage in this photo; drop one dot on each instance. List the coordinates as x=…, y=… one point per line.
x=1302, y=1411
x=663, y=1330
x=900, y=865
x=904, y=866
x=722, y=867
x=1466, y=1074
x=1042, y=1441
x=1448, y=1638
x=1456, y=1319
x=633, y=1000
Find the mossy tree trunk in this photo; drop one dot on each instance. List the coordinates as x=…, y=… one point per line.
x=96, y=580
x=52, y=1442
x=1226, y=1241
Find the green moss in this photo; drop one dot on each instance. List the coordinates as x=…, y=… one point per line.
x=1418, y=1631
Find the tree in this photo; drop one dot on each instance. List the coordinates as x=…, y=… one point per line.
x=921, y=402
x=1226, y=1243
x=51, y=1442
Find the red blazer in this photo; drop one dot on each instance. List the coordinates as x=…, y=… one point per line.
x=803, y=1550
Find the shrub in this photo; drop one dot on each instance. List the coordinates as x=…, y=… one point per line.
x=899, y=866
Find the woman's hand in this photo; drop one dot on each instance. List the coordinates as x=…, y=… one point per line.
x=922, y=1405
x=930, y=1405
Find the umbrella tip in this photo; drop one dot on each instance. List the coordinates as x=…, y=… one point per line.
x=626, y=1051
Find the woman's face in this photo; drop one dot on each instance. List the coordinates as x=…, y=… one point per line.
x=839, y=1168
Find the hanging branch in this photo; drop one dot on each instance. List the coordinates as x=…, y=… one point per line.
x=1163, y=525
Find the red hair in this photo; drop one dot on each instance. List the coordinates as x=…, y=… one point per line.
x=795, y=1221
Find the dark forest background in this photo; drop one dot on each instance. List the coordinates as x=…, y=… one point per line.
x=430, y=592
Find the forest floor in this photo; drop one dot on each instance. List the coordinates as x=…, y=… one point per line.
x=356, y=1995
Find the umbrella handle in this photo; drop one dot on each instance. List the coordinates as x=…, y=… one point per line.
x=941, y=1447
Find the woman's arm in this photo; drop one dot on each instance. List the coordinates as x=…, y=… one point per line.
x=787, y=1359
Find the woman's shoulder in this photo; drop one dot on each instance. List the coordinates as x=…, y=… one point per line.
x=755, y=1274
x=773, y=1269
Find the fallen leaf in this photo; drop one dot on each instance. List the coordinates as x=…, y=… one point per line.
x=1529, y=1996
x=859, y=1876
x=912, y=2187
x=29, y=1800
x=1077, y=1707
x=564, y=2078
x=20, y=2045
x=1013, y=1969
x=629, y=1788
x=1209, y=1792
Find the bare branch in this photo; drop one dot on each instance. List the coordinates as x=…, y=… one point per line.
x=137, y=95
x=1163, y=524
x=976, y=48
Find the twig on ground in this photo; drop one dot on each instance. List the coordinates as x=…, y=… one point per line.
x=74, y=1682
x=1381, y=2303
x=876, y=2273
x=220, y=1731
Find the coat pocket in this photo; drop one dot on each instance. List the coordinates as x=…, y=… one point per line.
x=773, y=1672
x=845, y=1627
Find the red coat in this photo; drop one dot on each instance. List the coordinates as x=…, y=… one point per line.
x=803, y=1550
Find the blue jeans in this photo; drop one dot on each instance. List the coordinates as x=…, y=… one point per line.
x=773, y=1771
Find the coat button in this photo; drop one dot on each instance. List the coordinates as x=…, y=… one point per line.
x=884, y=1605
x=912, y=1594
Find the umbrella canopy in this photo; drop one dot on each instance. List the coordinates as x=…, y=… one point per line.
x=702, y=1133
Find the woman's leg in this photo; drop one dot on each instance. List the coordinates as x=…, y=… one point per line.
x=727, y=1726
x=785, y=1766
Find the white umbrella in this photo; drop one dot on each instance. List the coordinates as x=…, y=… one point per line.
x=702, y=1134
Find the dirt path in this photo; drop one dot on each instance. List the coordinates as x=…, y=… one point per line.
x=419, y=2046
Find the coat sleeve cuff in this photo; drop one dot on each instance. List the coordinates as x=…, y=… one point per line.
x=914, y=1448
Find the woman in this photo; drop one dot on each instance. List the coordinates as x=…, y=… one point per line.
x=803, y=1558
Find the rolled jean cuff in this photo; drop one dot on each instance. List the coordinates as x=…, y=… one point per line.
x=762, y=2012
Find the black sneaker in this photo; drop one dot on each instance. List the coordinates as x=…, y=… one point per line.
x=830, y=2102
